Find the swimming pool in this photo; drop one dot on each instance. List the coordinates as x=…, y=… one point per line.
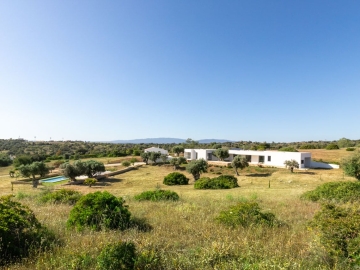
x=54, y=179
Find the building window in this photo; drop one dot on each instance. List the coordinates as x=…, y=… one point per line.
x=302, y=161
x=261, y=158
x=248, y=158
x=209, y=156
x=269, y=158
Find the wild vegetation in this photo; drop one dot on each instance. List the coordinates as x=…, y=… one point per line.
x=186, y=234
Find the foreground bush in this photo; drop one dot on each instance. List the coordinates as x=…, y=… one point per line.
x=66, y=196
x=340, y=232
x=99, y=210
x=246, y=214
x=221, y=182
x=20, y=231
x=175, y=178
x=337, y=191
x=157, y=195
x=121, y=255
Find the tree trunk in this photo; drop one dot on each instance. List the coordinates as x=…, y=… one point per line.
x=175, y=167
x=35, y=183
x=291, y=169
x=236, y=171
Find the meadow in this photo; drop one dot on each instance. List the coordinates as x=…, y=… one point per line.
x=185, y=234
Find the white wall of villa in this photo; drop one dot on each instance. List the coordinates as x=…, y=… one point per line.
x=268, y=158
x=157, y=149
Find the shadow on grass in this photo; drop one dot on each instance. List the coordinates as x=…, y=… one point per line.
x=140, y=224
x=258, y=174
x=310, y=173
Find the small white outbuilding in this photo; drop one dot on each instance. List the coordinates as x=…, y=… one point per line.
x=157, y=149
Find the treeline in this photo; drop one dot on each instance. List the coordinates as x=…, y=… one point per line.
x=57, y=150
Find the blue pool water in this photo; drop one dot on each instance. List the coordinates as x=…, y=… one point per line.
x=54, y=179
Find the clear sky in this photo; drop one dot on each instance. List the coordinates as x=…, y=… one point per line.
x=239, y=70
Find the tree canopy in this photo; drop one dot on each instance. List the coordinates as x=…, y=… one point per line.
x=196, y=167
x=239, y=162
x=178, y=149
x=221, y=153
x=291, y=164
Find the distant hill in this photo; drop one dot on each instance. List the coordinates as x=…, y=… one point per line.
x=165, y=140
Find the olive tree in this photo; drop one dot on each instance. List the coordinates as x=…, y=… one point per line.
x=176, y=162
x=196, y=167
x=239, y=162
x=145, y=157
x=73, y=170
x=34, y=169
x=154, y=156
x=93, y=167
x=163, y=158
x=291, y=164
x=178, y=149
x=221, y=153
x=351, y=166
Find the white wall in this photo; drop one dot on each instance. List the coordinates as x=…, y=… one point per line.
x=156, y=149
x=322, y=165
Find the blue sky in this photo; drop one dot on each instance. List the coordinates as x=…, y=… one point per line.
x=238, y=70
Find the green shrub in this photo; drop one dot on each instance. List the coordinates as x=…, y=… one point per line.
x=288, y=149
x=20, y=231
x=66, y=196
x=337, y=191
x=157, y=195
x=117, y=256
x=350, y=149
x=175, y=178
x=90, y=181
x=339, y=229
x=220, y=182
x=99, y=210
x=247, y=214
x=332, y=146
x=126, y=163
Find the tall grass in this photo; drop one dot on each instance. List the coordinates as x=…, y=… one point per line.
x=185, y=234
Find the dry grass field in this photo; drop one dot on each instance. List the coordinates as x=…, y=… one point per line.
x=185, y=234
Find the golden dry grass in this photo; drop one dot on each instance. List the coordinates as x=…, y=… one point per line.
x=185, y=234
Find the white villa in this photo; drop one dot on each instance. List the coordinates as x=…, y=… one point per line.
x=267, y=158
x=157, y=149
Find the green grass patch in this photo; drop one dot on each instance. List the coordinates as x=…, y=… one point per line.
x=66, y=196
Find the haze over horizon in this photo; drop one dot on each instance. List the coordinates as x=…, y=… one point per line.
x=237, y=70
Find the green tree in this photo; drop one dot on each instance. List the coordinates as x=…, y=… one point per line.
x=72, y=170
x=22, y=160
x=332, y=146
x=221, y=153
x=163, y=158
x=145, y=157
x=343, y=143
x=196, y=167
x=93, y=167
x=176, y=162
x=154, y=156
x=351, y=166
x=178, y=149
x=291, y=164
x=239, y=162
x=34, y=169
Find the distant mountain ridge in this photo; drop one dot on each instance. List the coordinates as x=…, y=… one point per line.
x=166, y=140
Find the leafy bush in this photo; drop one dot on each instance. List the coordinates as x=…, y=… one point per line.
x=20, y=231
x=351, y=165
x=175, y=178
x=350, y=149
x=339, y=232
x=90, y=181
x=246, y=214
x=66, y=196
x=116, y=256
x=126, y=163
x=332, y=146
x=288, y=149
x=99, y=210
x=157, y=195
x=337, y=191
x=220, y=182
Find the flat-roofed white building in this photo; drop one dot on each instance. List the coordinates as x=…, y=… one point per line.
x=157, y=149
x=267, y=158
